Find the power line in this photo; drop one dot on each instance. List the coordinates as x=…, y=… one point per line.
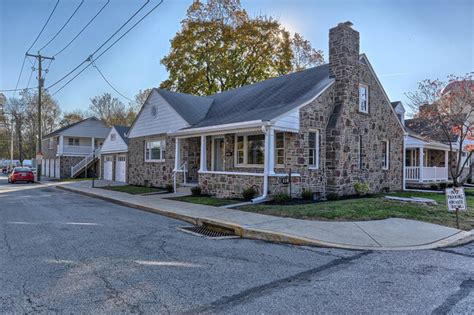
x=91, y=59
x=31, y=74
x=44, y=26
x=64, y=25
x=34, y=42
x=82, y=30
x=105, y=79
x=108, y=39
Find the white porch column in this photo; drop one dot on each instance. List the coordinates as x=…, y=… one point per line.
x=61, y=145
x=271, y=150
x=203, y=166
x=93, y=144
x=177, y=154
x=422, y=158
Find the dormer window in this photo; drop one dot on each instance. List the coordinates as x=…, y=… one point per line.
x=363, y=98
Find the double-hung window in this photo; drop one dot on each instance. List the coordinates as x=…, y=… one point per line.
x=385, y=154
x=155, y=150
x=280, y=149
x=363, y=98
x=313, y=146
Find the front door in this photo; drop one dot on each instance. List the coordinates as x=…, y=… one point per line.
x=218, y=161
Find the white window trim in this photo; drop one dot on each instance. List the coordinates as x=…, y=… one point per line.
x=387, y=154
x=163, y=145
x=366, y=111
x=245, y=164
x=318, y=145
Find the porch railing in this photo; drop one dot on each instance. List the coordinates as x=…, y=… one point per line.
x=428, y=174
x=182, y=169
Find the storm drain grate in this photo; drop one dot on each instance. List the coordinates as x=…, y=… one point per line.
x=210, y=232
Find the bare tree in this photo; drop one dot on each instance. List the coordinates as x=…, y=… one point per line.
x=447, y=108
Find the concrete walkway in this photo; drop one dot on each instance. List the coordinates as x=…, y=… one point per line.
x=389, y=234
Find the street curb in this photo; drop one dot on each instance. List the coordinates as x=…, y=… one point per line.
x=278, y=237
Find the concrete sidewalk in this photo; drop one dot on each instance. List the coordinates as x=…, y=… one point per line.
x=389, y=234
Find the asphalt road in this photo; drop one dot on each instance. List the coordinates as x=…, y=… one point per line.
x=63, y=252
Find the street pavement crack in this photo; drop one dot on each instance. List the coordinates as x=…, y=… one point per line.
x=227, y=302
x=373, y=239
x=464, y=289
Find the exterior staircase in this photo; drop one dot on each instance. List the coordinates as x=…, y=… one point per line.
x=85, y=163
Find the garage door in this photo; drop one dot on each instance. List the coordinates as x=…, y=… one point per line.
x=46, y=170
x=57, y=168
x=51, y=168
x=108, y=168
x=120, y=168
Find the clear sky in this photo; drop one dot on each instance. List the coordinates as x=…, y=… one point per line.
x=405, y=40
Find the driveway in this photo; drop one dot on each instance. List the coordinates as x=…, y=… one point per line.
x=64, y=252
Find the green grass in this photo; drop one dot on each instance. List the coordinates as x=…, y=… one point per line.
x=134, y=190
x=207, y=200
x=374, y=208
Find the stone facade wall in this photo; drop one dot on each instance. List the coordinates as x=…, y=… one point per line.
x=191, y=154
x=65, y=165
x=156, y=174
x=349, y=128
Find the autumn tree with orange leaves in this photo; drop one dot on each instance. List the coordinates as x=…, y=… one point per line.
x=447, y=107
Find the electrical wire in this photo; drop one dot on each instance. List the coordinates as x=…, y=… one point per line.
x=90, y=59
x=64, y=25
x=83, y=29
x=105, y=79
x=44, y=26
x=108, y=39
x=31, y=74
x=19, y=77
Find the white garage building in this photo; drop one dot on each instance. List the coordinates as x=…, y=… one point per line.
x=114, y=155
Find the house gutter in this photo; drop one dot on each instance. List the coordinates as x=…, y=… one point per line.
x=217, y=128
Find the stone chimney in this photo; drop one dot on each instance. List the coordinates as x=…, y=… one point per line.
x=344, y=68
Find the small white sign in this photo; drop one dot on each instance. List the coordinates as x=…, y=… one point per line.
x=456, y=199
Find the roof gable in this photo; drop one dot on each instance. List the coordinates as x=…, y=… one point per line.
x=119, y=144
x=91, y=126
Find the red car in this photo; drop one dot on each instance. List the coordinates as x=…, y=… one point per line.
x=21, y=174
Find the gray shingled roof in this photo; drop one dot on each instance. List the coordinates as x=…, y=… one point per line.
x=57, y=131
x=263, y=100
x=192, y=108
x=122, y=131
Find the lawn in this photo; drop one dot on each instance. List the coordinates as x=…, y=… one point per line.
x=373, y=208
x=134, y=190
x=207, y=200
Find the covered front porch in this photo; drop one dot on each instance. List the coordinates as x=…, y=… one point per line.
x=225, y=162
x=426, y=162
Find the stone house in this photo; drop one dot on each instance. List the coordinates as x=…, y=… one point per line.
x=73, y=149
x=114, y=155
x=319, y=130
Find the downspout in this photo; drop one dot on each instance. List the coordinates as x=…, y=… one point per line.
x=264, y=196
x=404, y=161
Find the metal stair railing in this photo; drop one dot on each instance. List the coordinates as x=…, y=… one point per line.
x=84, y=163
x=182, y=168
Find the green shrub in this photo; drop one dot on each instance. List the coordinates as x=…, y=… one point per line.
x=169, y=188
x=281, y=198
x=434, y=187
x=196, y=191
x=361, y=188
x=332, y=196
x=307, y=195
x=443, y=186
x=249, y=193
x=469, y=180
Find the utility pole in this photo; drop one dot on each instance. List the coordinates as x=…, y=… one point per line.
x=40, y=86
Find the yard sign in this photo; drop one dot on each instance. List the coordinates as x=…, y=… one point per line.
x=456, y=199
